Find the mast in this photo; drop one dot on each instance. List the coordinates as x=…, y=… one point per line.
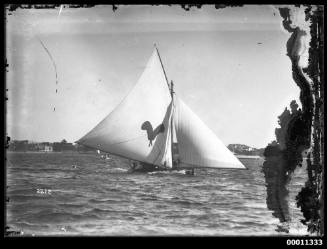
x=162, y=65
x=171, y=87
x=171, y=123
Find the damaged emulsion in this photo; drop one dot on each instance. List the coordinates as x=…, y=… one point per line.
x=187, y=7
x=311, y=196
x=13, y=7
x=294, y=136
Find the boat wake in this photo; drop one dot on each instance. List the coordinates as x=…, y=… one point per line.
x=118, y=170
x=182, y=172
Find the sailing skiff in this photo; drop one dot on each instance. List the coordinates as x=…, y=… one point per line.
x=155, y=129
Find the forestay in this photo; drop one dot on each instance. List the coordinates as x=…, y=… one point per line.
x=198, y=146
x=139, y=128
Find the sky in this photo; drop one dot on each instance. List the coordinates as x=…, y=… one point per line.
x=228, y=65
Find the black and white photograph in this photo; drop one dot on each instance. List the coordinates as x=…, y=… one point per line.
x=164, y=120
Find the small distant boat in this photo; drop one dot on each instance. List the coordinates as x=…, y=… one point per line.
x=155, y=129
x=107, y=157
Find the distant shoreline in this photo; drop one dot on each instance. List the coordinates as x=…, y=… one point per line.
x=52, y=152
x=94, y=152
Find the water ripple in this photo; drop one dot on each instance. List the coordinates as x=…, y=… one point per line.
x=100, y=197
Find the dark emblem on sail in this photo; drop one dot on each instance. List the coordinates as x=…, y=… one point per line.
x=152, y=133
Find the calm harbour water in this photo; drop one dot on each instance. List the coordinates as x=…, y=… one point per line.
x=94, y=196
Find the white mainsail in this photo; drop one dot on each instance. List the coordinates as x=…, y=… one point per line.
x=144, y=124
x=198, y=146
x=139, y=127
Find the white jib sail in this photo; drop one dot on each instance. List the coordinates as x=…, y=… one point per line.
x=138, y=128
x=198, y=146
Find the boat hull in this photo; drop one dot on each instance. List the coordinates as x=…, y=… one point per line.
x=145, y=168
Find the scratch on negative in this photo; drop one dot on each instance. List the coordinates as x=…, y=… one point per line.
x=53, y=62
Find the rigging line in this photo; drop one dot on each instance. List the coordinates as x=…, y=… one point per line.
x=126, y=141
x=52, y=60
x=123, y=156
x=116, y=154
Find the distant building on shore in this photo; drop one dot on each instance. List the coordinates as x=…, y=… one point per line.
x=46, y=147
x=25, y=145
x=63, y=146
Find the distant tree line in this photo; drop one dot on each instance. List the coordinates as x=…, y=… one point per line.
x=242, y=149
x=63, y=146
